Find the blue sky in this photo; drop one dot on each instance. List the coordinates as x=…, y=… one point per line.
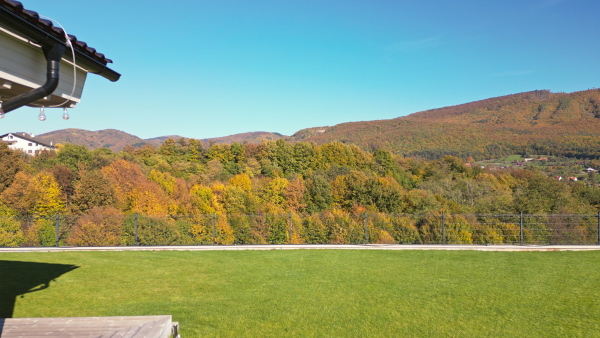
x=204, y=69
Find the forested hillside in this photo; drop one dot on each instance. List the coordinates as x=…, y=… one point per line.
x=336, y=180
x=112, y=139
x=537, y=122
x=117, y=140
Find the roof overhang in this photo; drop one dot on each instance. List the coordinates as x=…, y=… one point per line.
x=28, y=74
x=29, y=25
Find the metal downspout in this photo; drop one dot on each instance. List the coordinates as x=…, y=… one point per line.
x=53, y=56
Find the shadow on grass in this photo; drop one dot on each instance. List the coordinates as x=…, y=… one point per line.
x=18, y=278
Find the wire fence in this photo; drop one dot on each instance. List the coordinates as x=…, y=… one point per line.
x=292, y=228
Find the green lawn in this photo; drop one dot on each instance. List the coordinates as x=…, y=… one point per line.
x=318, y=292
x=512, y=158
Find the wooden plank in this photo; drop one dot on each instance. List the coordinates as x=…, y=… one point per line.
x=122, y=327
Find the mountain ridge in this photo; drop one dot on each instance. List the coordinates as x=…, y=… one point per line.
x=511, y=123
x=521, y=122
x=117, y=140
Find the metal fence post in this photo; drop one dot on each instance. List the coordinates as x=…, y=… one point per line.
x=598, y=227
x=214, y=229
x=290, y=227
x=137, y=223
x=443, y=228
x=366, y=224
x=56, y=230
x=521, y=230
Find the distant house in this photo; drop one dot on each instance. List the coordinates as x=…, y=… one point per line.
x=25, y=142
x=591, y=170
x=572, y=179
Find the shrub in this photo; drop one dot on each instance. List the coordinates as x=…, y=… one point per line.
x=101, y=226
x=11, y=234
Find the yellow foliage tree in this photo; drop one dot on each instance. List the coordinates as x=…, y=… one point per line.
x=217, y=200
x=202, y=197
x=165, y=180
x=275, y=191
x=241, y=181
x=224, y=232
x=11, y=234
x=45, y=193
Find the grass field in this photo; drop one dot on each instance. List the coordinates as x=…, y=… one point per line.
x=318, y=292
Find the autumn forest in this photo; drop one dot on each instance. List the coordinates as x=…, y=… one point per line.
x=272, y=192
x=344, y=184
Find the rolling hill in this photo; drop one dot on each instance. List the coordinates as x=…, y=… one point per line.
x=116, y=140
x=531, y=122
x=251, y=137
x=112, y=139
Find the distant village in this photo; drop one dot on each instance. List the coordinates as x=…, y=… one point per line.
x=574, y=170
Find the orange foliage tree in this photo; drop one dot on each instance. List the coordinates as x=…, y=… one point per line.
x=136, y=193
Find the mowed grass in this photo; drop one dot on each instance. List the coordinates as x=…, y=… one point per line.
x=338, y=293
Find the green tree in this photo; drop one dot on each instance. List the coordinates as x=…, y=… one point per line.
x=74, y=156
x=304, y=157
x=196, y=151
x=384, y=163
x=315, y=232
x=43, y=160
x=238, y=200
x=540, y=194
x=101, y=157
x=283, y=157
x=318, y=196
x=386, y=194
x=221, y=152
x=157, y=230
x=278, y=228
x=168, y=148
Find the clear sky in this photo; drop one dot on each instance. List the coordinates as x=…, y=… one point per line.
x=204, y=69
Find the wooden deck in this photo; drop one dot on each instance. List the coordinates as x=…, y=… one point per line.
x=113, y=327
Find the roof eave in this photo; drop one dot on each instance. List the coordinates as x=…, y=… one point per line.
x=40, y=36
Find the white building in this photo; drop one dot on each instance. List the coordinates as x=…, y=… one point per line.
x=25, y=142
